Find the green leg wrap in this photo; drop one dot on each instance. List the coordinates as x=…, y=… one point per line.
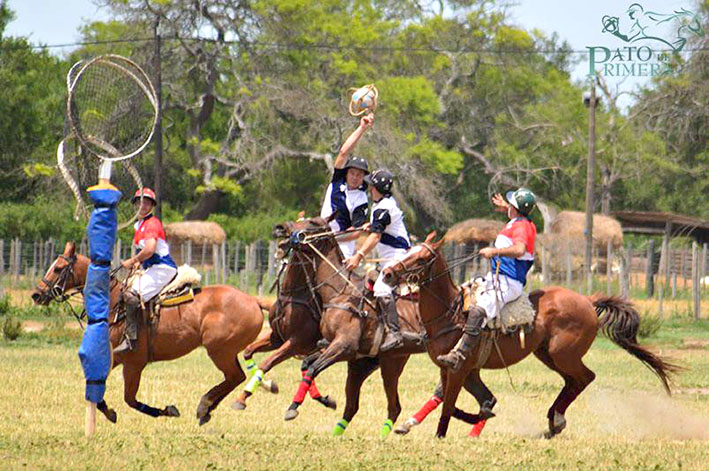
x=254, y=382
x=386, y=429
x=250, y=365
x=340, y=428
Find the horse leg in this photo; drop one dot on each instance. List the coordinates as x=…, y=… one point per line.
x=452, y=388
x=475, y=386
x=131, y=383
x=357, y=372
x=228, y=363
x=339, y=349
x=576, y=378
x=391, y=371
x=282, y=353
x=314, y=392
x=107, y=411
x=265, y=342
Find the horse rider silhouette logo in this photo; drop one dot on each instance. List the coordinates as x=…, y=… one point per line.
x=649, y=25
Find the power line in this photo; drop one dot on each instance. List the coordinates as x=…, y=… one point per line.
x=338, y=47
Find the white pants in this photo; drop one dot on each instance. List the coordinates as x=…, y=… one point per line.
x=155, y=278
x=347, y=248
x=493, y=300
x=380, y=288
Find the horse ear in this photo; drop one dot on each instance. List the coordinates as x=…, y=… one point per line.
x=69, y=249
x=430, y=237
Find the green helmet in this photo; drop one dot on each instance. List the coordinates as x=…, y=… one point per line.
x=523, y=200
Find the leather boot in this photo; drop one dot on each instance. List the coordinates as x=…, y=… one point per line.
x=133, y=314
x=387, y=306
x=471, y=336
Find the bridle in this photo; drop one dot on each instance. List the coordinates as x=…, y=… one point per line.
x=56, y=289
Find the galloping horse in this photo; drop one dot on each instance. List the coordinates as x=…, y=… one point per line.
x=295, y=327
x=221, y=318
x=349, y=325
x=565, y=327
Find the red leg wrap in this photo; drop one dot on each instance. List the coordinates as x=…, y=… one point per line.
x=302, y=390
x=427, y=408
x=477, y=429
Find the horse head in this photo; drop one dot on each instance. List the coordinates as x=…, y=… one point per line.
x=300, y=233
x=63, y=275
x=417, y=264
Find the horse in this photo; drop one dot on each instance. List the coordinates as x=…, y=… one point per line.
x=565, y=326
x=222, y=319
x=295, y=329
x=349, y=326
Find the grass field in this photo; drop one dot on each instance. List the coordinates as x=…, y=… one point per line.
x=623, y=421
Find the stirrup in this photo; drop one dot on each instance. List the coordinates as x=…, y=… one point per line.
x=127, y=345
x=391, y=341
x=453, y=359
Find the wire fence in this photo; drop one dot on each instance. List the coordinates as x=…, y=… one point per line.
x=641, y=272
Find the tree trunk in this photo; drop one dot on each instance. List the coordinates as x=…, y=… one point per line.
x=208, y=203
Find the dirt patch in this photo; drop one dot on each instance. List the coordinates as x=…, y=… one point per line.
x=36, y=326
x=697, y=344
x=693, y=391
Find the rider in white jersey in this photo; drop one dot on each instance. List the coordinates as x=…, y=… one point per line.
x=388, y=233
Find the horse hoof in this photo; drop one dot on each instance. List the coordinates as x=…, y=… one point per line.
x=328, y=402
x=270, y=386
x=205, y=419
x=406, y=427
x=111, y=416
x=291, y=414
x=171, y=411
x=238, y=405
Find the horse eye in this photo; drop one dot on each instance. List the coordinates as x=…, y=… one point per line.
x=57, y=270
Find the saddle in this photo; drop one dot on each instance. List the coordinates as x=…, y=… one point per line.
x=181, y=290
x=514, y=315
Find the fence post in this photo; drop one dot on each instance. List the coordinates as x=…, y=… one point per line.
x=189, y=252
x=2, y=257
x=625, y=272
x=18, y=256
x=695, y=280
x=272, y=247
x=703, y=272
x=215, y=262
x=609, y=268
x=237, y=252
x=649, y=281
x=225, y=262
x=117, y=253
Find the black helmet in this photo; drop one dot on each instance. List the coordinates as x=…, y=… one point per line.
x=357, y=162
x=382, y=180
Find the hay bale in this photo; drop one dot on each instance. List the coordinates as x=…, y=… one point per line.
x=474, y=231
x=198, y=232
x=568, y=228
x=201, y=235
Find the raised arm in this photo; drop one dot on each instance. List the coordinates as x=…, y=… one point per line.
x=365, y=123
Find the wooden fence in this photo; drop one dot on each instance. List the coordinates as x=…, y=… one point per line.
x=672, y=273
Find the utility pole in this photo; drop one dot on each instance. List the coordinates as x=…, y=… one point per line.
x=590, y=101
x=157, y=185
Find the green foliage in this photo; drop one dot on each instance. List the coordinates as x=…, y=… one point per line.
x=41, y=219
x=11, y=328
x=251, y=227
x=649, y=325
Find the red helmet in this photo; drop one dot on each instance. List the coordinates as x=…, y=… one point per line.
x=147, y=193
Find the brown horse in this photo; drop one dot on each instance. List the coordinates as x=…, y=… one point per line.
x=565, y=327
x=349, y=324
x=295, y=328
x=221, y=318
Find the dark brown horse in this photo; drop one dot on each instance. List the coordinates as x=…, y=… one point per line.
x=221, y=318
x=565, y=327
x=349, y=324
x=295, y=328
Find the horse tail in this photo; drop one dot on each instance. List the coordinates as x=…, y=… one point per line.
x=620, y=322
x=264, y=304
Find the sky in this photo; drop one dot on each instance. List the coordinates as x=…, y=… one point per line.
x=54, y=22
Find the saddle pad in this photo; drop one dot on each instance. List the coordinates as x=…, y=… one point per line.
x=175, y=299
x=516, y=313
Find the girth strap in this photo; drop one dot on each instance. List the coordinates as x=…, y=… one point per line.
x=344, y=307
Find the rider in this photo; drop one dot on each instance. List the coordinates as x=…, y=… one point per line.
x=512, y=257
x=388, y=233
x=159, y=267
x=346, y=193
